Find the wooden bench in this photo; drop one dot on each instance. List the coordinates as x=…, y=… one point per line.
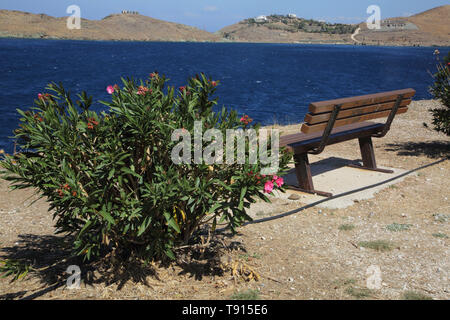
x=334, y=121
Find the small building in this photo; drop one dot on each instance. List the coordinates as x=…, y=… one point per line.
x=261, y=19
x=395, y=25
x=292, y=15
x=129, y=12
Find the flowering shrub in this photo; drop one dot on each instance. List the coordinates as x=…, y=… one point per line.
x=109, y=176
x=441, y=91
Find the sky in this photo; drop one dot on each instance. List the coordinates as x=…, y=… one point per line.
x=212, y=15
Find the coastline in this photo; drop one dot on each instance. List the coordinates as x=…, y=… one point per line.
x=222, y=41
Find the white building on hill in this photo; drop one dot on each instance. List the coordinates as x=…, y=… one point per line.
x=129, y=12
x=292, y=15
x=261, y=18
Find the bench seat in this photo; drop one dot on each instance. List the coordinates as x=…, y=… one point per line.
x=303, y=142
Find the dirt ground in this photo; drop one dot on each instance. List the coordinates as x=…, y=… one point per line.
x=299, y=252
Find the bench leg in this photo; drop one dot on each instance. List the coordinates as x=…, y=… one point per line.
x=368, y=156
x=304, y=178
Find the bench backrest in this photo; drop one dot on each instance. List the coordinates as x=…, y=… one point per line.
x=355, y=109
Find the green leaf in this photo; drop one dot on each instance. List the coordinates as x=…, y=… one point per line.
x=171, y=222
x=107, y=216
x=129, y=171
x=241, y=199
x=170, y=254
x=144, y=226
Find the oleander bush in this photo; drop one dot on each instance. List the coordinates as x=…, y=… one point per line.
x=441, y=91
x=109, y=176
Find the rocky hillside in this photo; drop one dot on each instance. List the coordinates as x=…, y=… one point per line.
x=287, y=29
x=114, y=27
x=428, y=28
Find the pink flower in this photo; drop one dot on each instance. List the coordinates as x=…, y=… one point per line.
x=279, y=181
x=44, y=96
x=246, y=120
x=268, y=187
x=143, y=90
x=110, y=89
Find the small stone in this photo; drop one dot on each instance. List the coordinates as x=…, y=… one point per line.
x=263, y=238
x=290, y=279
x=294, y=196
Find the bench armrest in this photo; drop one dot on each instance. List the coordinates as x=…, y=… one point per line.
x=391, y=116
x=327, y=131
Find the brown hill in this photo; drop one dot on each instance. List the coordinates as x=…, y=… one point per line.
x=431, y=27
x=114, y=27
x=428, y=28
x=282, y=29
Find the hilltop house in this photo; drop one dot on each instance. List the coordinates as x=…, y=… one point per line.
x=292, y=15
x=261, y=19
x=396, y=24
x=129, y=12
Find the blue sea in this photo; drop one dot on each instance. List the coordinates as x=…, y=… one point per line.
x=269, y=82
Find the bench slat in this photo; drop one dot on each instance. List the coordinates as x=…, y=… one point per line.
x=321, y=126
x=327, y=106
x=324, y=117
x=301, y=142
x=301, y=137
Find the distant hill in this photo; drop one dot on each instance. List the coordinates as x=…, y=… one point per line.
x=428, y=28
x=114, y=27
x=287, y=29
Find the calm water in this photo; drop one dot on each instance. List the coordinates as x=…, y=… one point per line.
x=270, y=82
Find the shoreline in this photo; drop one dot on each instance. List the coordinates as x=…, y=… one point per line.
x=391, y=45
